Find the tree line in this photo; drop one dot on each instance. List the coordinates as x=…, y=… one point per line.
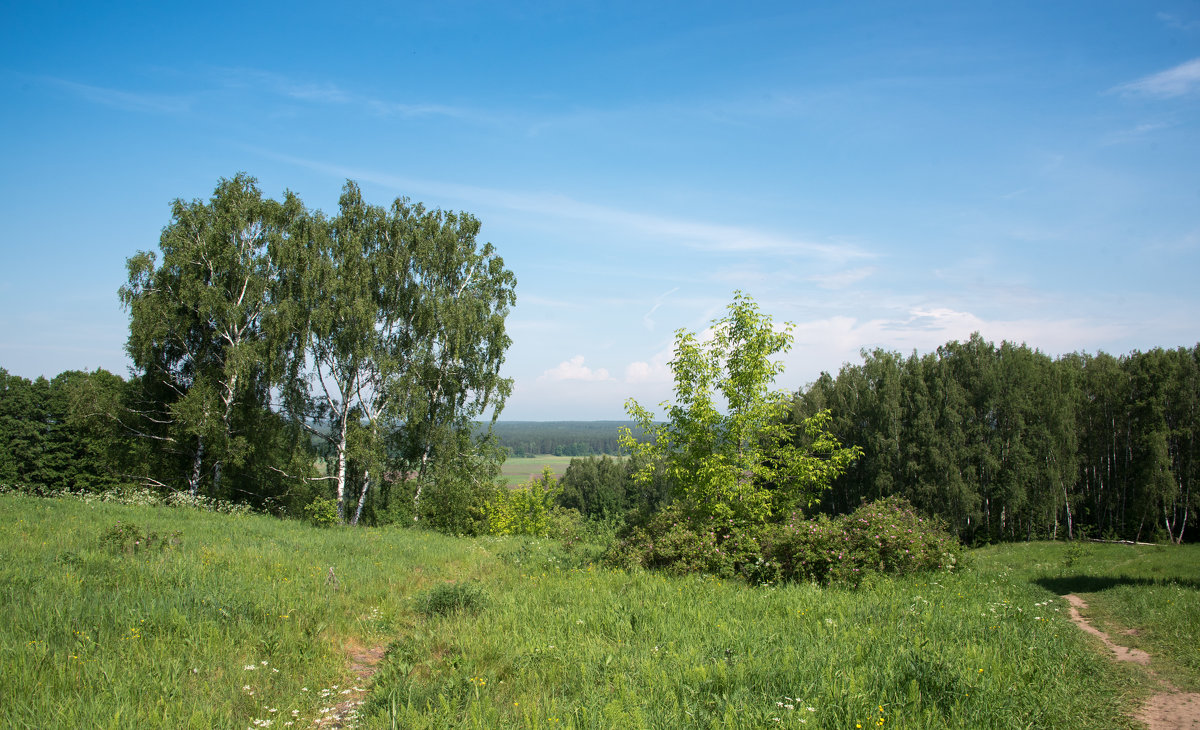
x=1007, y=443
x=559, y=438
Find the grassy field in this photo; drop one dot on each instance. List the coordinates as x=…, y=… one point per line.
x=241, y=621
x=518, y=470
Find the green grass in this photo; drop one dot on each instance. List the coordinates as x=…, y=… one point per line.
x=1151, y=590
x=519, y=469
x=512, y=632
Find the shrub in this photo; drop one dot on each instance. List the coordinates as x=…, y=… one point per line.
x=525, y=510
x=885, y=537
x=678, y=541
x=322, y=512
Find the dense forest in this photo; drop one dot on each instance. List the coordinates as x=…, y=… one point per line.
x=1007, y=443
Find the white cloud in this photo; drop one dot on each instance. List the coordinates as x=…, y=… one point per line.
x=1178, y=81
x=826, y=344
x=574, y=369
x=324, y=92
x=657, y=370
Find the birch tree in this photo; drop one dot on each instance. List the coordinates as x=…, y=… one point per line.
x=403, y=337
x=200, y=320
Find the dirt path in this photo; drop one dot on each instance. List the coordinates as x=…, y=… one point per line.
x=363, y=662
x=1170, y=709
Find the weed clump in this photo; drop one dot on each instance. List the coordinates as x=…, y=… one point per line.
x=451, y=598
x=126, y=537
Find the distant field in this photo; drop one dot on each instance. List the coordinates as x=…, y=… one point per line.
x=518, y=469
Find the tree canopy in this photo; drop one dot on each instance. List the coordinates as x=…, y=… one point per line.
x=381, y=331
x=727, y=444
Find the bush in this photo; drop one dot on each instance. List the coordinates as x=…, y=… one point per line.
x=526, y=510
x=885, y=537
x=677, y=541
x=322, y=512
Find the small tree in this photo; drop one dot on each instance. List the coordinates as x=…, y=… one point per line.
x=737, y=459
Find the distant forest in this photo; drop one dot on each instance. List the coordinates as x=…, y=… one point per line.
x=560, y=438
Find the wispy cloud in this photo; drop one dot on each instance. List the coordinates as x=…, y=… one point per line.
x=574, y=369
x=647, y=320
x=1137, y=132
x=326, y=92
x=1174, y=22
x=702, y=235
x=1177, y=81
x=132, y=101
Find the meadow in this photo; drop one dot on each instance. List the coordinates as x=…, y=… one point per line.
x=126, y=616
x=520, y=469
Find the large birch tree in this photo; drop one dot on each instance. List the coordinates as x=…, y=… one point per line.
x=401, y=340
x=201, y=335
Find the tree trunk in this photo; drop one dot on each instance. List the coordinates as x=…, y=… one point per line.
x=194, y=481
x=1067, y=504
x=341, y=471
x=227, y=398
x=362, y=498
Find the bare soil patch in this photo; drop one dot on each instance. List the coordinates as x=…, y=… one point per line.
x=1170, y=709
x=363, y=663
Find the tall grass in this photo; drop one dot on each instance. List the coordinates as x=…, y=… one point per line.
x=244, y=616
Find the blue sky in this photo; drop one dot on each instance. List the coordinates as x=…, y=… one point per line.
x=885, y=174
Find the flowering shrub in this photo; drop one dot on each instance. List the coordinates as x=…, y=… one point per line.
x=886, y=536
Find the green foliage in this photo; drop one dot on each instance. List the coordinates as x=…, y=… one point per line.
x=735, y=458
x=595, y=487
x=322, y=512
x=885, y=537
x=525, y=510
x=450, y=598
x=1007, y=443
x=396, y=338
